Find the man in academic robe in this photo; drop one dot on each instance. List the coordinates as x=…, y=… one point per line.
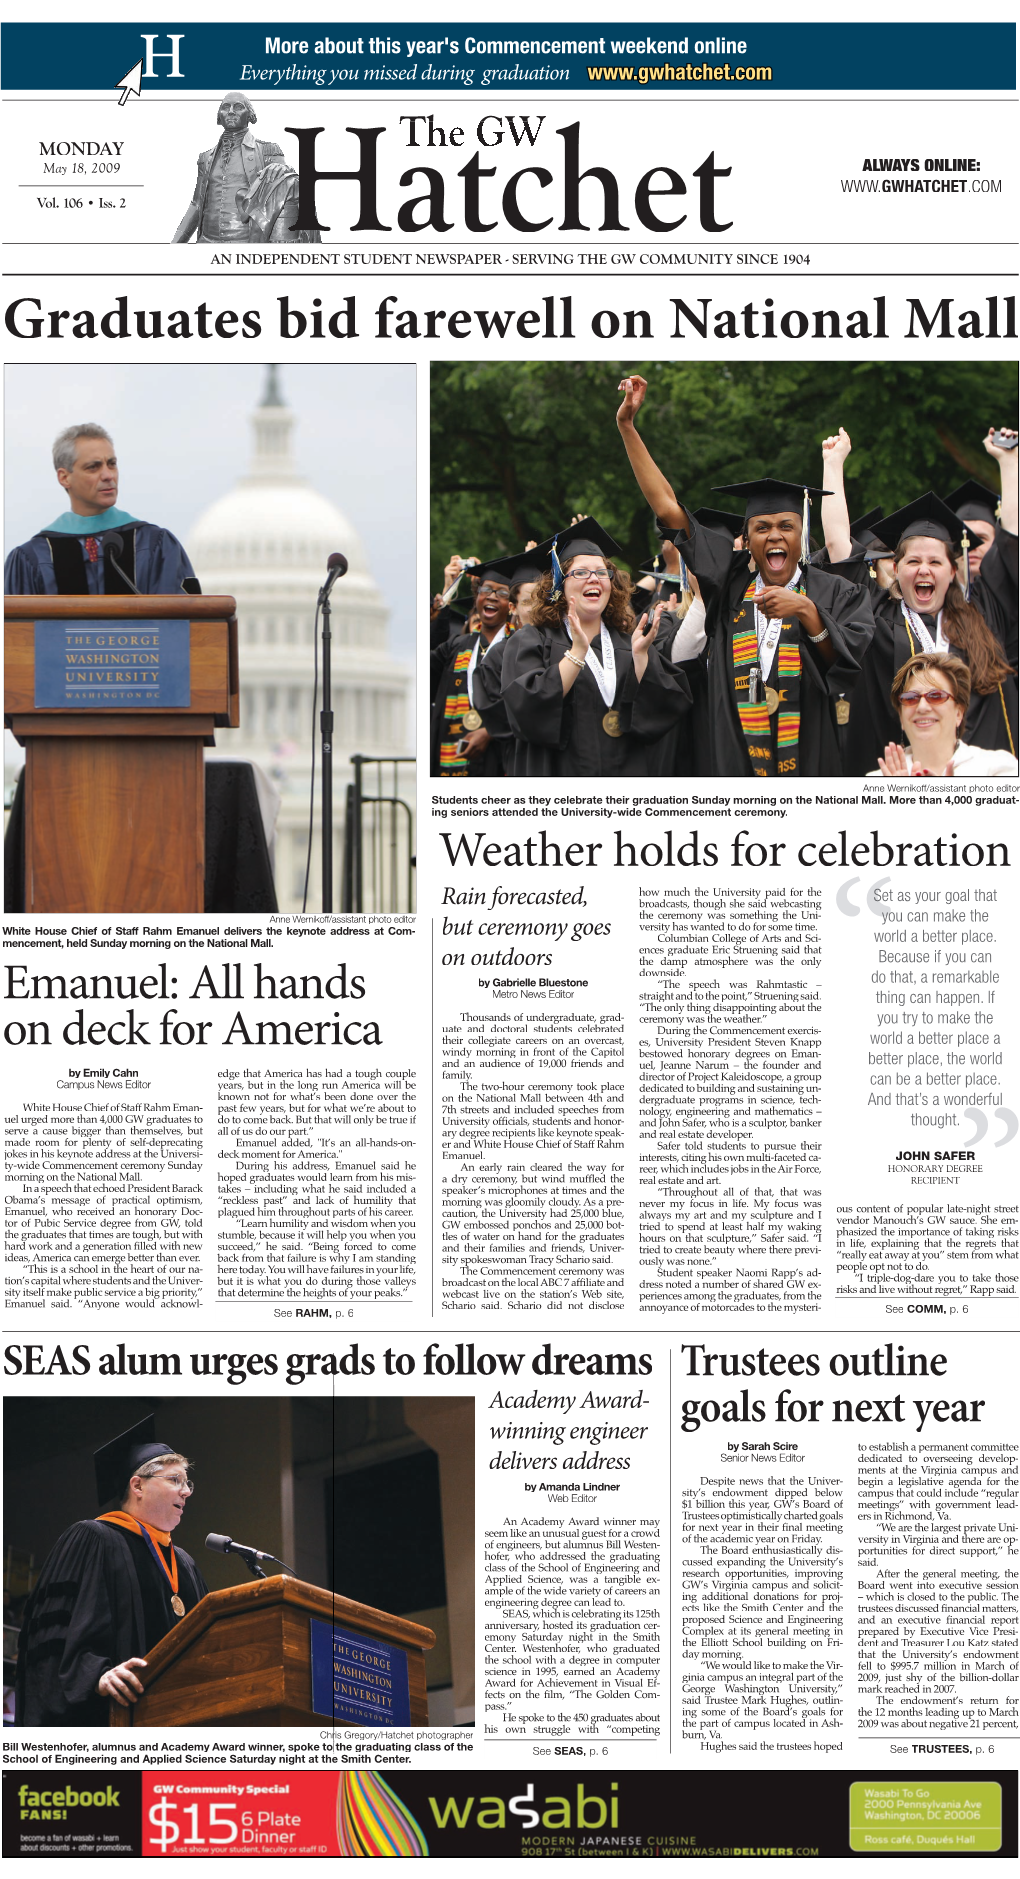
x=110, y=1589
x=461, y=744
x=784, y=640
x=94, y=547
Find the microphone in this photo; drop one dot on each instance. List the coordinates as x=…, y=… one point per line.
x=113, y=544
x=222, y=1543
x=336, y=566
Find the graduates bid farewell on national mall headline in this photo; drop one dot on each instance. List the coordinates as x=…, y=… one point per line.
x=738, y=651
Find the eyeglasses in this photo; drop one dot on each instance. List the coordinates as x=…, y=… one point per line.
x=491, y=587
x=589, y=574
x=931, y=698
x=178, y=1481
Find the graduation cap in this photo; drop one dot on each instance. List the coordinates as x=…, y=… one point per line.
x=768, y=496
x=496, y=569
x=926, y=515
x=864, y=527
x=973, y=502
x=118, y=1460
x=525, y=565
x=720, y=522
x=656, y=568
x=585, y=537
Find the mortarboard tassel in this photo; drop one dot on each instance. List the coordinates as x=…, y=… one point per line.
x=805, y=528
x=557, y=571
x=966, y=564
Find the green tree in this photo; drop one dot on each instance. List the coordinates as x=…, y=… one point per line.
x=517, y=449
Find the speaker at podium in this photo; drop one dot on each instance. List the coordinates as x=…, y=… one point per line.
x=115, y=698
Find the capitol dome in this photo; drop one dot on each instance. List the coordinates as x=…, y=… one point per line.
x=267, y=542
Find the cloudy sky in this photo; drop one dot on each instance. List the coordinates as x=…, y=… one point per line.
x=183, y=439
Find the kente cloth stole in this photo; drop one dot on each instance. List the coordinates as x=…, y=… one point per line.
x=450, y=764
x=772, y=741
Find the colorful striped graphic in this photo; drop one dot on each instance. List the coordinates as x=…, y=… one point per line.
x=372, y=1823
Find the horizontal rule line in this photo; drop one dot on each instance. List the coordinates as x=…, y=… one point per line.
x=586, y=274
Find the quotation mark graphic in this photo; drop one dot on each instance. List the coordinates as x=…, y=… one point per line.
x=980, y=1121
x=846, y=905
x=843, y=901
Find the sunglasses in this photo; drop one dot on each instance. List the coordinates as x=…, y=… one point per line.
x=931, y=698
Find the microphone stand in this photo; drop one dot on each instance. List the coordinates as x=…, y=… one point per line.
x=335, y=567
x=253, y=1560
x=111, y=551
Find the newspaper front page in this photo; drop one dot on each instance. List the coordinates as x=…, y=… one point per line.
x=510, y=791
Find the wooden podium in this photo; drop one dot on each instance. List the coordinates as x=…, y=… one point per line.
x=115, y=796
x=243, y=1658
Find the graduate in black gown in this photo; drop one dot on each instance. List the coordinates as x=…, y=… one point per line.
x=461, y=746
x=93, y=547
x=674, y=595
x=585, y=690
x=987, y=570
x=109, y=1590
x=522, y=575
x=926, y=610
x=784, y=640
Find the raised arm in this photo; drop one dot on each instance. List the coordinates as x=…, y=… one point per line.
x=835, y=514
x=657, y=492
x=1008, y=471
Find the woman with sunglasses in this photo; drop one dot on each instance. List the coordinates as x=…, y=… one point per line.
x=930, y=694
x=585, y=689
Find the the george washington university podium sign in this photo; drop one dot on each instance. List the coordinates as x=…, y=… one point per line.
x=114, y=698
x=282, y=1653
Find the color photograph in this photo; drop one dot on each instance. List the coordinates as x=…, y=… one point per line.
x=343, y=1586
x=742, y=571
x=200, y=560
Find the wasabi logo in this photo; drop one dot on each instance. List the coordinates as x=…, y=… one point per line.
x=556, y=1810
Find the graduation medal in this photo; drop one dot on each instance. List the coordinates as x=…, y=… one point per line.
x=771, y=700
x=611, y=724
x=172, y=1573
x=842, y=711
x=472, y=720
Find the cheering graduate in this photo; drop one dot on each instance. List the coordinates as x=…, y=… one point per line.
x=926, y=611
x=987, y=568
x=461, y=744
x=585, y=690
x=110, y=1589
x=784, y=640
x=674, y=600
x=931, y=694
x=94, y=547
x=522, y=576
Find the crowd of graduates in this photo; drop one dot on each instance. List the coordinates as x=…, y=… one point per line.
x=744, y=647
